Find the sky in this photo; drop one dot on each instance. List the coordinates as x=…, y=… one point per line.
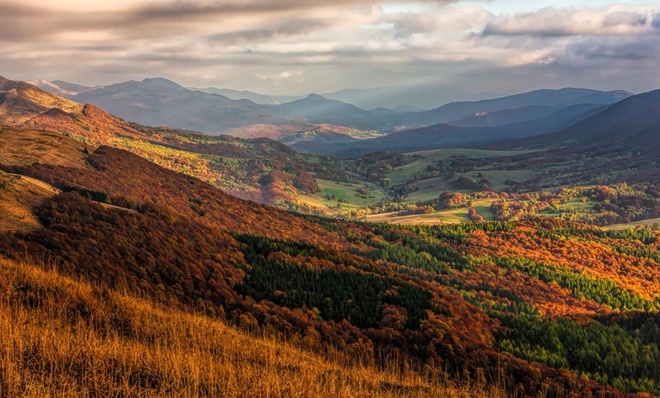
x=444, y=49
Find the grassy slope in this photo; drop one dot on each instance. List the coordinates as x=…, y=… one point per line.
x=64, y=337
x=449, y=216
x=344, y=192
x=26, y=147
x=19, y=195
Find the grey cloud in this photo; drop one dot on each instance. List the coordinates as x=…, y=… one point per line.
x=24, y=24
x=625, y=18
x=493, y=29
x=641, y=50
x=552, y=22
x=656, y=21
x=18, y=22
x=277, y=29
x=407, y=24
x=544, y=23
x=105, y=48
x=182, y=10
x=157, y=20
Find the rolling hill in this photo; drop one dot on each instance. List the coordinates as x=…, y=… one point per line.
x=514, y=306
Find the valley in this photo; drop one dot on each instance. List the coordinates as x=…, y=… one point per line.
x=458, y=270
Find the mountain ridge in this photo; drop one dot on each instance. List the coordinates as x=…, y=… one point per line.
x=635, y=113
x=159, y=101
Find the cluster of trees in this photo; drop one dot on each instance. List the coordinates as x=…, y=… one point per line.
x=599, y=204
x=607, y=352
x=295, y=279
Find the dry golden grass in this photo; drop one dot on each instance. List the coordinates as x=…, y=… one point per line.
x=19, y=195
x=61, y=337
x=25, y=147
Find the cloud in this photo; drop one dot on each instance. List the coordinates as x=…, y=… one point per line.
x=439, y=19
x=299, y=46
x=557, y=22
x=630, y=51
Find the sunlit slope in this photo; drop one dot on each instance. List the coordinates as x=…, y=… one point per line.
x=63, y=337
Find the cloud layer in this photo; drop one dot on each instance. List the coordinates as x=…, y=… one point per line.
x=298, y=46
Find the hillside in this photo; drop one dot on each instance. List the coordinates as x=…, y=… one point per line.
x=20, y=101
x=469, y=300
x=258, y=169
x=108, y=343
x=19, y=195
x=514, y=115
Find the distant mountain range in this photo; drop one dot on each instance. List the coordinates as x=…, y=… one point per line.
x=450, y=135
x=635, y=119
x=458, y=111
x=624, y=136
x=240, y=95
x=578, y=144
x=161, y=102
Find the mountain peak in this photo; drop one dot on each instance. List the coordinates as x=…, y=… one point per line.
x=316, y=97
x=161, y=81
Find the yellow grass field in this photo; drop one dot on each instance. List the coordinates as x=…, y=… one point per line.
x=60, y=337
